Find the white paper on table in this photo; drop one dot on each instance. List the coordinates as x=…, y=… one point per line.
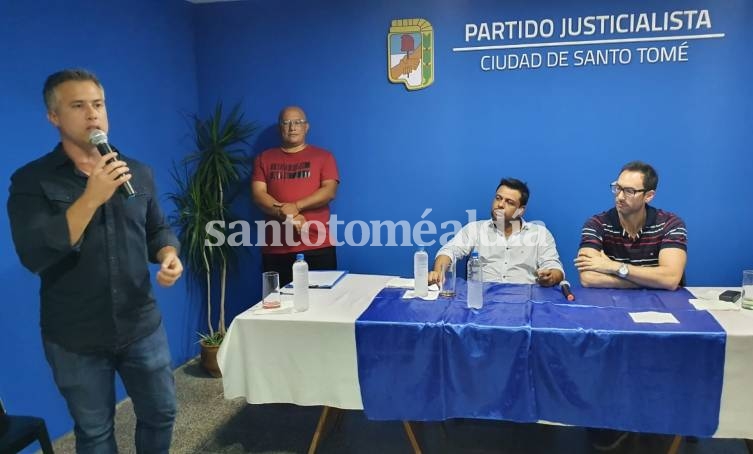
x=713, y=305
x=400, y=282
x=431, y=296
x=653, y=317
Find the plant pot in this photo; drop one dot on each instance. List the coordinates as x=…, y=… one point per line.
x=209, y=359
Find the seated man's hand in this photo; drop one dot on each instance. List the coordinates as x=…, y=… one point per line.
x=593, y=260
x=548, y=277
x=434, y=277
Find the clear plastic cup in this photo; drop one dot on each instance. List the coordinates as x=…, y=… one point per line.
x=270, y=289
x=747, y=289
x=447, y=280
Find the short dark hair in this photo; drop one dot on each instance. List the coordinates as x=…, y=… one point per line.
x=519, y=186
x=650, y=177
x=55, y=79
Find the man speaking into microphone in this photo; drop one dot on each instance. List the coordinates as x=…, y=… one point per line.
x=99, y=139
x=90, y=243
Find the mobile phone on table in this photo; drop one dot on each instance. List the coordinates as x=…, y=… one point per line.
x=730, y=295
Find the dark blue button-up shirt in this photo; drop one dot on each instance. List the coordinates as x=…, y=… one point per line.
x=95, y=295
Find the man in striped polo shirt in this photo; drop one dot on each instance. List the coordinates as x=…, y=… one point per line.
x=633, y=245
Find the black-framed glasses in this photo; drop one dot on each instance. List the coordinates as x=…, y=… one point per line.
x=629, y=192
x=297, y=122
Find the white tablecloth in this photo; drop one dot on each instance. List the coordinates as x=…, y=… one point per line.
x=306, y=358
x=309, y=358
x=736, y=407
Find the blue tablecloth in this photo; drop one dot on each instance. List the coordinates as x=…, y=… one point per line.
x=635, y=300
x=527, y=355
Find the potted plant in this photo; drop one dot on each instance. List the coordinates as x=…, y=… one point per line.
x=204, y=182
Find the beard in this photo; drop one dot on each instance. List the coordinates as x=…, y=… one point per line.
x=499, y=218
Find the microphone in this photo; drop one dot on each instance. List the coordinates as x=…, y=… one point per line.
x=99, y=139
x=565, y=287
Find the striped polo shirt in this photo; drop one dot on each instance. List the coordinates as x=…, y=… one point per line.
x=661, y=230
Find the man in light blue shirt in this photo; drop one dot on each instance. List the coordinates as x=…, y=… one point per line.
x=511, y=250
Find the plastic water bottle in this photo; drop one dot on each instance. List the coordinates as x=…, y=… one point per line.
x=421, y=272
x=300, y=284
x=475, y=282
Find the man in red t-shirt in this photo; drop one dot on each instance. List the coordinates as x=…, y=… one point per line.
x=293, y=185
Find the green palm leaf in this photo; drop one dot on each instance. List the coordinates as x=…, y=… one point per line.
x=219, y=161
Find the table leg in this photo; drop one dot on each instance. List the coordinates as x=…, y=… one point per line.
x=674, y=448
x=445, y=434
x=320, y=428
x=411, y=437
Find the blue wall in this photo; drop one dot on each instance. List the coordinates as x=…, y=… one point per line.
x=143, y=51
x=566, y=130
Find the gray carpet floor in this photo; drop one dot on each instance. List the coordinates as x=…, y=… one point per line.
x=209, y=424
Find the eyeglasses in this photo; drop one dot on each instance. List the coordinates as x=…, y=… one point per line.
x=288, y=123
x=629, y=192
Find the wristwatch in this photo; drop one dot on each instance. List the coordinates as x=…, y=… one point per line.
x=623, y=271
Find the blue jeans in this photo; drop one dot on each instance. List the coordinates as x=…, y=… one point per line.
x=87, y=382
